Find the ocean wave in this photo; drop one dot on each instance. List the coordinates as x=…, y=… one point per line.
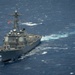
x=45, y=52
x=30, y=23
x=57, y=36
x=53, y=37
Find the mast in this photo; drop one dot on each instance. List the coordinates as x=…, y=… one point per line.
x=16, y=15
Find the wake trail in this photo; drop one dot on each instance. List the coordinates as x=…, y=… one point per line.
x=56, y=36
x=30, y=24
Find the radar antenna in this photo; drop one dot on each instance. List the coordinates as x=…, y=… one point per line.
x=16, y=14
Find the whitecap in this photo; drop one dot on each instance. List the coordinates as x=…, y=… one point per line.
x=53, y=37
x=30, y=23
x=44, y=52
x=71, y=73
x=44, y=61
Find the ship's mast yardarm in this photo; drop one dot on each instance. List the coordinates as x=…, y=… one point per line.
x=16, y=20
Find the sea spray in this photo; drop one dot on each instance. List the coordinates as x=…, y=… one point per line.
x=30, y=24
x=54, y=37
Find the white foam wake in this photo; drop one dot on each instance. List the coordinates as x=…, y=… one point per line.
x=53, y=37
x=30, y=23
x=56, y=36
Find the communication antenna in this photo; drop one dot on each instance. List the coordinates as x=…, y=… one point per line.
x=16, y=20
x=16, y=15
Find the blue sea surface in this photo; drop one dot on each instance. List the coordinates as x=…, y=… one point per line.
x=54, y=20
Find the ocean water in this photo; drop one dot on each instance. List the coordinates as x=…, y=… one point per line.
x=54, y=20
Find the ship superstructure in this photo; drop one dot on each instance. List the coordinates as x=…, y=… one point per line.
x=17, y=42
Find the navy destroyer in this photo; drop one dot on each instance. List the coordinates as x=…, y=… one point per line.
x=17, y=42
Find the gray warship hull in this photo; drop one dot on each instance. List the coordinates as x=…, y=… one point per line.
x=17, y=42
x=15, y=54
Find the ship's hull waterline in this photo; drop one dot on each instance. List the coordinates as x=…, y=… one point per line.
x=17, y=42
